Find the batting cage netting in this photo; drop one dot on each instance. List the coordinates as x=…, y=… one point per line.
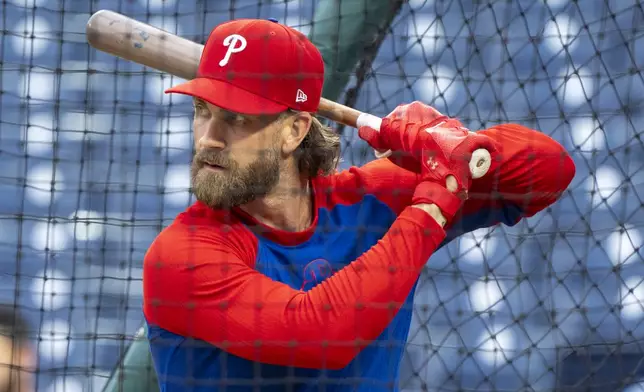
x=94, y=162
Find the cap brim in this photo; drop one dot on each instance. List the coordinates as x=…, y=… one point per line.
x=227, y=96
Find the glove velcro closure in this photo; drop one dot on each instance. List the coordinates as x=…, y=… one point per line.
x=429, y=192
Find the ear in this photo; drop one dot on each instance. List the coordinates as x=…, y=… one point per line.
x=294, y=130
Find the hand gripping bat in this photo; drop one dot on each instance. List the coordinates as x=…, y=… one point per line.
x=147, y=45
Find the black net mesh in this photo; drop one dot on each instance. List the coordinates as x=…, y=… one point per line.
x=94, y=162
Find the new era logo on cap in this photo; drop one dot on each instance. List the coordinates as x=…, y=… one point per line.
x=257, y=66
x=300, y=97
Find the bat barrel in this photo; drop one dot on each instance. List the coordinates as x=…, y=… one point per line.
x=136, y=41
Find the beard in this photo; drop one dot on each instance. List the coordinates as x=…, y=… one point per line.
x=233, y=186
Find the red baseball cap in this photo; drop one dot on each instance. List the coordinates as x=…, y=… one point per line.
x=257, y=66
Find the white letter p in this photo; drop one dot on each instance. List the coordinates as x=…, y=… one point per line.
x=231, y=42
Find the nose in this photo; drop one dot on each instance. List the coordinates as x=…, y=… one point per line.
x=212, y=137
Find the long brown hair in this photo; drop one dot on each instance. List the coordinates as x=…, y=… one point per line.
x=319, y=152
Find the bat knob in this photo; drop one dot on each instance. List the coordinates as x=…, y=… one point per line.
x=480, y=163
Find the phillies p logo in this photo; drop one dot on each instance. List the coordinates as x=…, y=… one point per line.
x=314, y=273
x=235, y=43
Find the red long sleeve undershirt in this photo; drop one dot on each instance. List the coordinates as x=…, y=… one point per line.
x=198, y=284
x=199, y=279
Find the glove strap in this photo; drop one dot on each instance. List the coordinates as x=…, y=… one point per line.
x=429, y=192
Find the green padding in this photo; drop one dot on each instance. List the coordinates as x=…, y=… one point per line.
x=358, y=27
x=135, y=372
x=345, y=31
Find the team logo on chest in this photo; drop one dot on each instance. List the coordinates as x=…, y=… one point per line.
x=315, y=272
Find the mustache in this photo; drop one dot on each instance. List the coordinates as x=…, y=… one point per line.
x=212, y=158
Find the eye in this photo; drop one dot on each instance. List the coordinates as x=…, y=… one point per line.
x=234, y=118
x=200, y=110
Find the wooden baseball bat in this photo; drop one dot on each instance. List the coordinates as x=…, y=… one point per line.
x=127, y=38
x=136, y=41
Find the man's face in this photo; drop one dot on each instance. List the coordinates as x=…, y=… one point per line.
x=237, y=157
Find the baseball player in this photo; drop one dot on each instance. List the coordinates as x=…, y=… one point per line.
x=287, y=275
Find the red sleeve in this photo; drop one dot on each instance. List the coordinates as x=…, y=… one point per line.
x=381, y=178
x=534, y=171
x=199, y=283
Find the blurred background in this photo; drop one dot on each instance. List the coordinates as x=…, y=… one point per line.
x=94, y=162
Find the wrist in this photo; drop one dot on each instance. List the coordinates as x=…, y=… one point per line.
x=434, y=211
x=429, y=192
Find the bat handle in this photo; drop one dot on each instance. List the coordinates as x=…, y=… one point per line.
x=369, y=120
x=479, y=163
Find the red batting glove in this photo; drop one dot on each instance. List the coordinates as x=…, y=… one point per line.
x=399, y=133
x=427, y=142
